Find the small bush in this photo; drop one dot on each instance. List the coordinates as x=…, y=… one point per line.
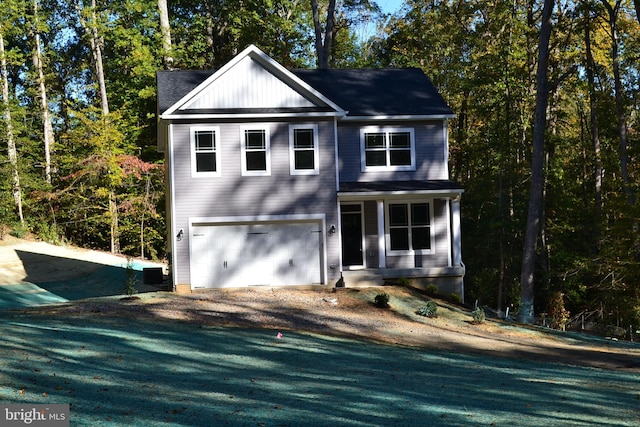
x=19, y=231
x=455, y=298
x=432, y=290
x=478, y=316
x=132, y=281
x=381, y=300
x=558, y=315
x=428, y=310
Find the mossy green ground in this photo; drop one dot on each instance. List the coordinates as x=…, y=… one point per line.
x=141, y=373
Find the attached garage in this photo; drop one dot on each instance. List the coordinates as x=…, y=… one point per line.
x=256, y=254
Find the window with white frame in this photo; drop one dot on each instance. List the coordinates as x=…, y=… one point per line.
x=255, y=151
x=410, y=227
x=205, y=151
x=303, y=149
x=387, y=149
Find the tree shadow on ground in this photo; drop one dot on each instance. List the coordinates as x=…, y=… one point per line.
x=140, y=373
x=73, y=279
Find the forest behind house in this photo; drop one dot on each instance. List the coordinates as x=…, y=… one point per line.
x=545, y=141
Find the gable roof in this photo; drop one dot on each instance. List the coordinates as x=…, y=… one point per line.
x=267, y=88
x=251, y=84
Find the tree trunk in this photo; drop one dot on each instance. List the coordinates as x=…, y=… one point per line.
x=595, y=134
x=165, y=30
x=11, y=144
x=49, y=138
x=96, y=42
x=534, y=214
x=617, y=83
x=115, y=228
x=323, y=44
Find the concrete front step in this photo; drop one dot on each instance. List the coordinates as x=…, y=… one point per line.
x=361, y=279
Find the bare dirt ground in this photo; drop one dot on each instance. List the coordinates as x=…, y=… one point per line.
x=351, y=313
x=347, y=312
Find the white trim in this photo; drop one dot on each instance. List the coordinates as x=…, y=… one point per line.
x=172, y=210
x=267, y=150
x=374, y=195
x=292, y=150
x=387, y=130
x=400, y=117
x=217, y=151
x=382, y=255
x=250, y=115
x=445, y=142
x=457, y=232
x=432, y=231
x=447, y=212
x=337, y=156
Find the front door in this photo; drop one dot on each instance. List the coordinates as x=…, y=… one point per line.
x=351, y=221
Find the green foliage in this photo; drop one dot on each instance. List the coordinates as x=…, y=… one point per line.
x=428, y=310
x=381, y=300
x=456, y=298
x=432, y=290
x=557, y=315
x=478, y=316
x=132, y=281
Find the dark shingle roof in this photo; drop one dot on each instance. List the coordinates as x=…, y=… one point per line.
x=389, y=186
x=361, y=92
x=372, y=91
x=173, y=85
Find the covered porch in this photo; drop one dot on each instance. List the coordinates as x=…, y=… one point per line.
x=406, y=229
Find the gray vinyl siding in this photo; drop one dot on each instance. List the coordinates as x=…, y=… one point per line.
x=430, y=153
x=234, y=195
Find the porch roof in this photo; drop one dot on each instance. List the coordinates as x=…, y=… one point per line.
x=399, y=188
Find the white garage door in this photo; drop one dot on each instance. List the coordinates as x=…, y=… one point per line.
x=274, y=254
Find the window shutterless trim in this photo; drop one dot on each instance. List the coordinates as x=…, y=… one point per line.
x=293, y=150
x=386, y=149
x=266, y=149
x=215, y=149
x=409, y=226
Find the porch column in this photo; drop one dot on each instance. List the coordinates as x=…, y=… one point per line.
x=456, y=243
x=382, y=260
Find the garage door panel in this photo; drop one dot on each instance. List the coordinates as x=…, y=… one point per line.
x=275, y=254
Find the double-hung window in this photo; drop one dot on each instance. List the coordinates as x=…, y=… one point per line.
x=410, y=227
x=205, y=151
x=255, y=151
x=387, y=149
x=303, y=149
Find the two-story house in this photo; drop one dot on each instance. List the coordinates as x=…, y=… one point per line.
x=280, y=177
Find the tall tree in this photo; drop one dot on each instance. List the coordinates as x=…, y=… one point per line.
x=48, y=135
x=535, y=214
x=612, y=12
x=11, y=143
x=165, y=30
x=323, y=39
x=89, y=20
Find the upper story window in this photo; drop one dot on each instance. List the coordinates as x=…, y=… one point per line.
x=303, y=149
x=410, y=227
x=255, y=151
x=387, y=149
x=205, y=151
